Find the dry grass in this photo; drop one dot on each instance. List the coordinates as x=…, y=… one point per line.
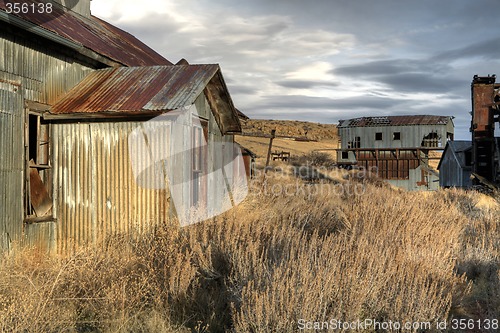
x=319, y=254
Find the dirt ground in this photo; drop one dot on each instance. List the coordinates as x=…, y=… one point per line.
x=325, y=134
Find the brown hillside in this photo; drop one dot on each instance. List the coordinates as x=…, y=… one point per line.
x=313, y=131
x=325, y=134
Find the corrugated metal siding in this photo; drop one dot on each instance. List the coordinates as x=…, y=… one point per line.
x=451, y=174
x=411, y=136
x=96, y=193
x=44, y=78
x=41, y=236
x=11, y=165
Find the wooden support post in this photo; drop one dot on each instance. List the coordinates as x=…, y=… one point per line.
x=273, y=135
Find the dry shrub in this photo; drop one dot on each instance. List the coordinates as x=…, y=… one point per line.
x=387, y=259
x=314, y=159
x=346, y=251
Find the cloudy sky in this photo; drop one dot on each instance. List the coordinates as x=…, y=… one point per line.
x=325, y=60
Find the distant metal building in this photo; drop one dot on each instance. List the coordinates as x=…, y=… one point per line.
x=395, y=147
x=455, y=166
x=72, y=89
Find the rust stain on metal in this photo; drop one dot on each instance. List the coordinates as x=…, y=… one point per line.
x=157, y=88
x=148, y=91
x=14, y=83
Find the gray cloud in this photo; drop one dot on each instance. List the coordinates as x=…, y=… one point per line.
x=305, y=84
x=405, y=75
x=486, y=49
x=387, y=52
x=290, y=102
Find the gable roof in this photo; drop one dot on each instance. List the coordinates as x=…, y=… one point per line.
x=395, y=121
x=89, y=33
x=458, y=149
x=148, y=91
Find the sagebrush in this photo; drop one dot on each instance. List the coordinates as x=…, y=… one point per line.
x=345, y=252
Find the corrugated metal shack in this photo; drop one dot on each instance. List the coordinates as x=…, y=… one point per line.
x=72, y=88
x=396, y=147
x=455, y=166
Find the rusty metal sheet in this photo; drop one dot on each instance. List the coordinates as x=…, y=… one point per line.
x=40, y=198
x=94, y=34
x=395, y=121
x=150, y=90
x=129, y=89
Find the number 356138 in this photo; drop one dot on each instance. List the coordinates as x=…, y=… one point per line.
x=26, y=8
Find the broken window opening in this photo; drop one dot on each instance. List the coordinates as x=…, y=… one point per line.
x=38, y=198
x=396, y=136
x=354, y=144
x=431, y=140
x=378, y=136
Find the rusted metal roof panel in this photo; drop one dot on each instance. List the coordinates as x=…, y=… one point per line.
x=135, y=89
x=94, y=34
x=395, y=121
x=124, y=91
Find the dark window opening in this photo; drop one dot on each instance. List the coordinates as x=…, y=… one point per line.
x=468, y=158
x=354, y=144
x=449, y=136
x=345, y=155
x=396, y=136
x=378, y=136
x=33, y=127
x=38, y=198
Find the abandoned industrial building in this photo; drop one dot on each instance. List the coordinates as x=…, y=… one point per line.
x=395, y=147
x=72, y=90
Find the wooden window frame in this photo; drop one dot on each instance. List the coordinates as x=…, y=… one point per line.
x=38, y=191
x=199, y=163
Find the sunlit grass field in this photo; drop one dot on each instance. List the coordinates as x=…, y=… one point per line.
x=347, y=248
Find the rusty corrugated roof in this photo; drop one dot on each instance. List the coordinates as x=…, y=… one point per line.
x=94, y=34
x=149, y=90
x=395, y=121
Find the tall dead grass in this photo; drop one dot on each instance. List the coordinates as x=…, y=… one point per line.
x=381, y=254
